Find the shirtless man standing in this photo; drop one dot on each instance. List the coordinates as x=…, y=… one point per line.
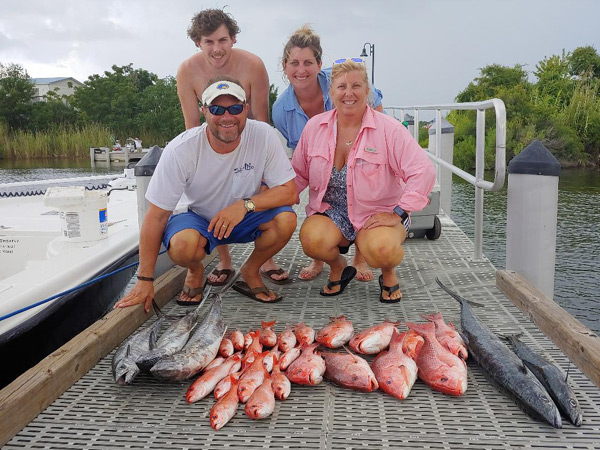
x=214, y=33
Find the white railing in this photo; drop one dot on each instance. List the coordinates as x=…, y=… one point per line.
x=478, y=179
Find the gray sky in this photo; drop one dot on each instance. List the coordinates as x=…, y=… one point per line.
x=426, y=51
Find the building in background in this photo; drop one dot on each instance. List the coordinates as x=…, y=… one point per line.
x=60, y=85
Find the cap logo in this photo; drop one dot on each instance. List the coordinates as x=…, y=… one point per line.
x=223, y=86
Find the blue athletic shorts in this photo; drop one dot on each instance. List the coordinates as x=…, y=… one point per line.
x=245, y=231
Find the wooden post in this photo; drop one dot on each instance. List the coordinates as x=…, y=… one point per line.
x=27, y=396
x=578, y=343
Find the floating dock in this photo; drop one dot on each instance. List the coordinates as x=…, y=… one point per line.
x=95, y=413
x=105, y=155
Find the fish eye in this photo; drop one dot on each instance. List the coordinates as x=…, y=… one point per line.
x=388, y=381
x=444, y=379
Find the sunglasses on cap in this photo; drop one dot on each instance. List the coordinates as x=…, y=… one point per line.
x=234, y=110
x=343, y=60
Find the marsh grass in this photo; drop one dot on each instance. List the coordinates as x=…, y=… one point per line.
x=60, y=142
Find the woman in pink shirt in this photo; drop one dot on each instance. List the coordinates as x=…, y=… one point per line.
x=366, y=174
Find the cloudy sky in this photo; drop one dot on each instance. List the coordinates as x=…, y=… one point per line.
x=426, y=51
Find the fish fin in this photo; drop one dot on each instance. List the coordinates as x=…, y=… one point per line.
x=523, y=367
x=157, y=310
x=432, y=317
x=128, y=351
x=350, y=353
x=512, y=337
x=568, y=369
x=152, y=339
x=268, y=324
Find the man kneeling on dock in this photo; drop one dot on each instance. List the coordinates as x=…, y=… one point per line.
x=217, y=169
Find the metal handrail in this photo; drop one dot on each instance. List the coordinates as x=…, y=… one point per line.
x=477, y=180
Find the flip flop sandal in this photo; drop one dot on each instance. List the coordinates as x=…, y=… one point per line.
x=192, y=292
x=243, y=288
x=216, y=272
x=347, y=274
x=268, y=275
x=390, y=290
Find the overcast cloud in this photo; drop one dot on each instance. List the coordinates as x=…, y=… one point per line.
x=426, y=51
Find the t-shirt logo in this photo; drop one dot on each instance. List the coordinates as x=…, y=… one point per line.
x=241, y=171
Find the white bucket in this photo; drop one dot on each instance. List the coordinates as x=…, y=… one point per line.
x=83, y=213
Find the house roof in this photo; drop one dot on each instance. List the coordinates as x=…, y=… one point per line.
x=52, y=80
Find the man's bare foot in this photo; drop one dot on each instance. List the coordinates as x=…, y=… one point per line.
x=270, y=265
x=311, y=271
x=253, y=280
x=218, y=276
x=193, y=285
x=363, y=271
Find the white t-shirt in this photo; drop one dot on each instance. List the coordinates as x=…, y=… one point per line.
x=208, y=182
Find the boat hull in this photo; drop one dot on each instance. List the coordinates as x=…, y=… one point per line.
x=31, y=341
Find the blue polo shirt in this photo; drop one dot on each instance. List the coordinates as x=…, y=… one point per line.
x=290, y=119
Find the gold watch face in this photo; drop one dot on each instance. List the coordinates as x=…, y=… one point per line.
x=249, y=204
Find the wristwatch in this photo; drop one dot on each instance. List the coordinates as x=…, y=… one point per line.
x=249, y=205
x=403, y=214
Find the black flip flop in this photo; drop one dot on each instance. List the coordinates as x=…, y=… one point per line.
x=192, y=292
x=216, y=272
x=243, y=288
x=348, y=274
x=268, y=275
x=390, y=290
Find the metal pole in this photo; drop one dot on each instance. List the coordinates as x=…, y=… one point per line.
x=373, y=63
x=479, y=168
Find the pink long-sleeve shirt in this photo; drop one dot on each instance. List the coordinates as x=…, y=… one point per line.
x=386, y=166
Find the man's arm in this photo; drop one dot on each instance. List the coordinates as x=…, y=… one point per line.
x=151, y=234
x=187, y=97
x=259, y=92
x=268, y=199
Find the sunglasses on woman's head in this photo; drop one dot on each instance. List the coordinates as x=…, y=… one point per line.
x=343, y=60
x=234, y=110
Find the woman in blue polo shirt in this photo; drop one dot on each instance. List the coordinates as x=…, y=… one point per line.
x=306, y=96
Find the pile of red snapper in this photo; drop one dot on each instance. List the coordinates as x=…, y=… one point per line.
x=256, y=368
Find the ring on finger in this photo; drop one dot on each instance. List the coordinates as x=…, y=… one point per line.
x=223, y=226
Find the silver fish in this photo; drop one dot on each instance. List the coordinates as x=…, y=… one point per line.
x=551, y=377
x=503, y=368
x=200, y=350
x=124, y=363
x=170, y=342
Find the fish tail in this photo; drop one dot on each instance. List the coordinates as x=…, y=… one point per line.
x=268, y=324
x=457, y=297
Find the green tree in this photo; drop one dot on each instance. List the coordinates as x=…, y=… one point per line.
x=554, y=83
x=272, y=97
x=493, y=78
x=16, y=92
x=54, y=111
x=113, y=99
x=160, y=115
x=585, y=61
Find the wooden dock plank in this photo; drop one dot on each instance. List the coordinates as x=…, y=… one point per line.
x=579, y=343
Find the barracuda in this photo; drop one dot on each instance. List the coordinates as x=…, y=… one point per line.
x=502, y=367
x=199, y=351
x=551, y=377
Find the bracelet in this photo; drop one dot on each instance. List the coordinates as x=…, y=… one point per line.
x=141, y=278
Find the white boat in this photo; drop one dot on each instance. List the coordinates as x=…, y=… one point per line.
x=79, y=230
